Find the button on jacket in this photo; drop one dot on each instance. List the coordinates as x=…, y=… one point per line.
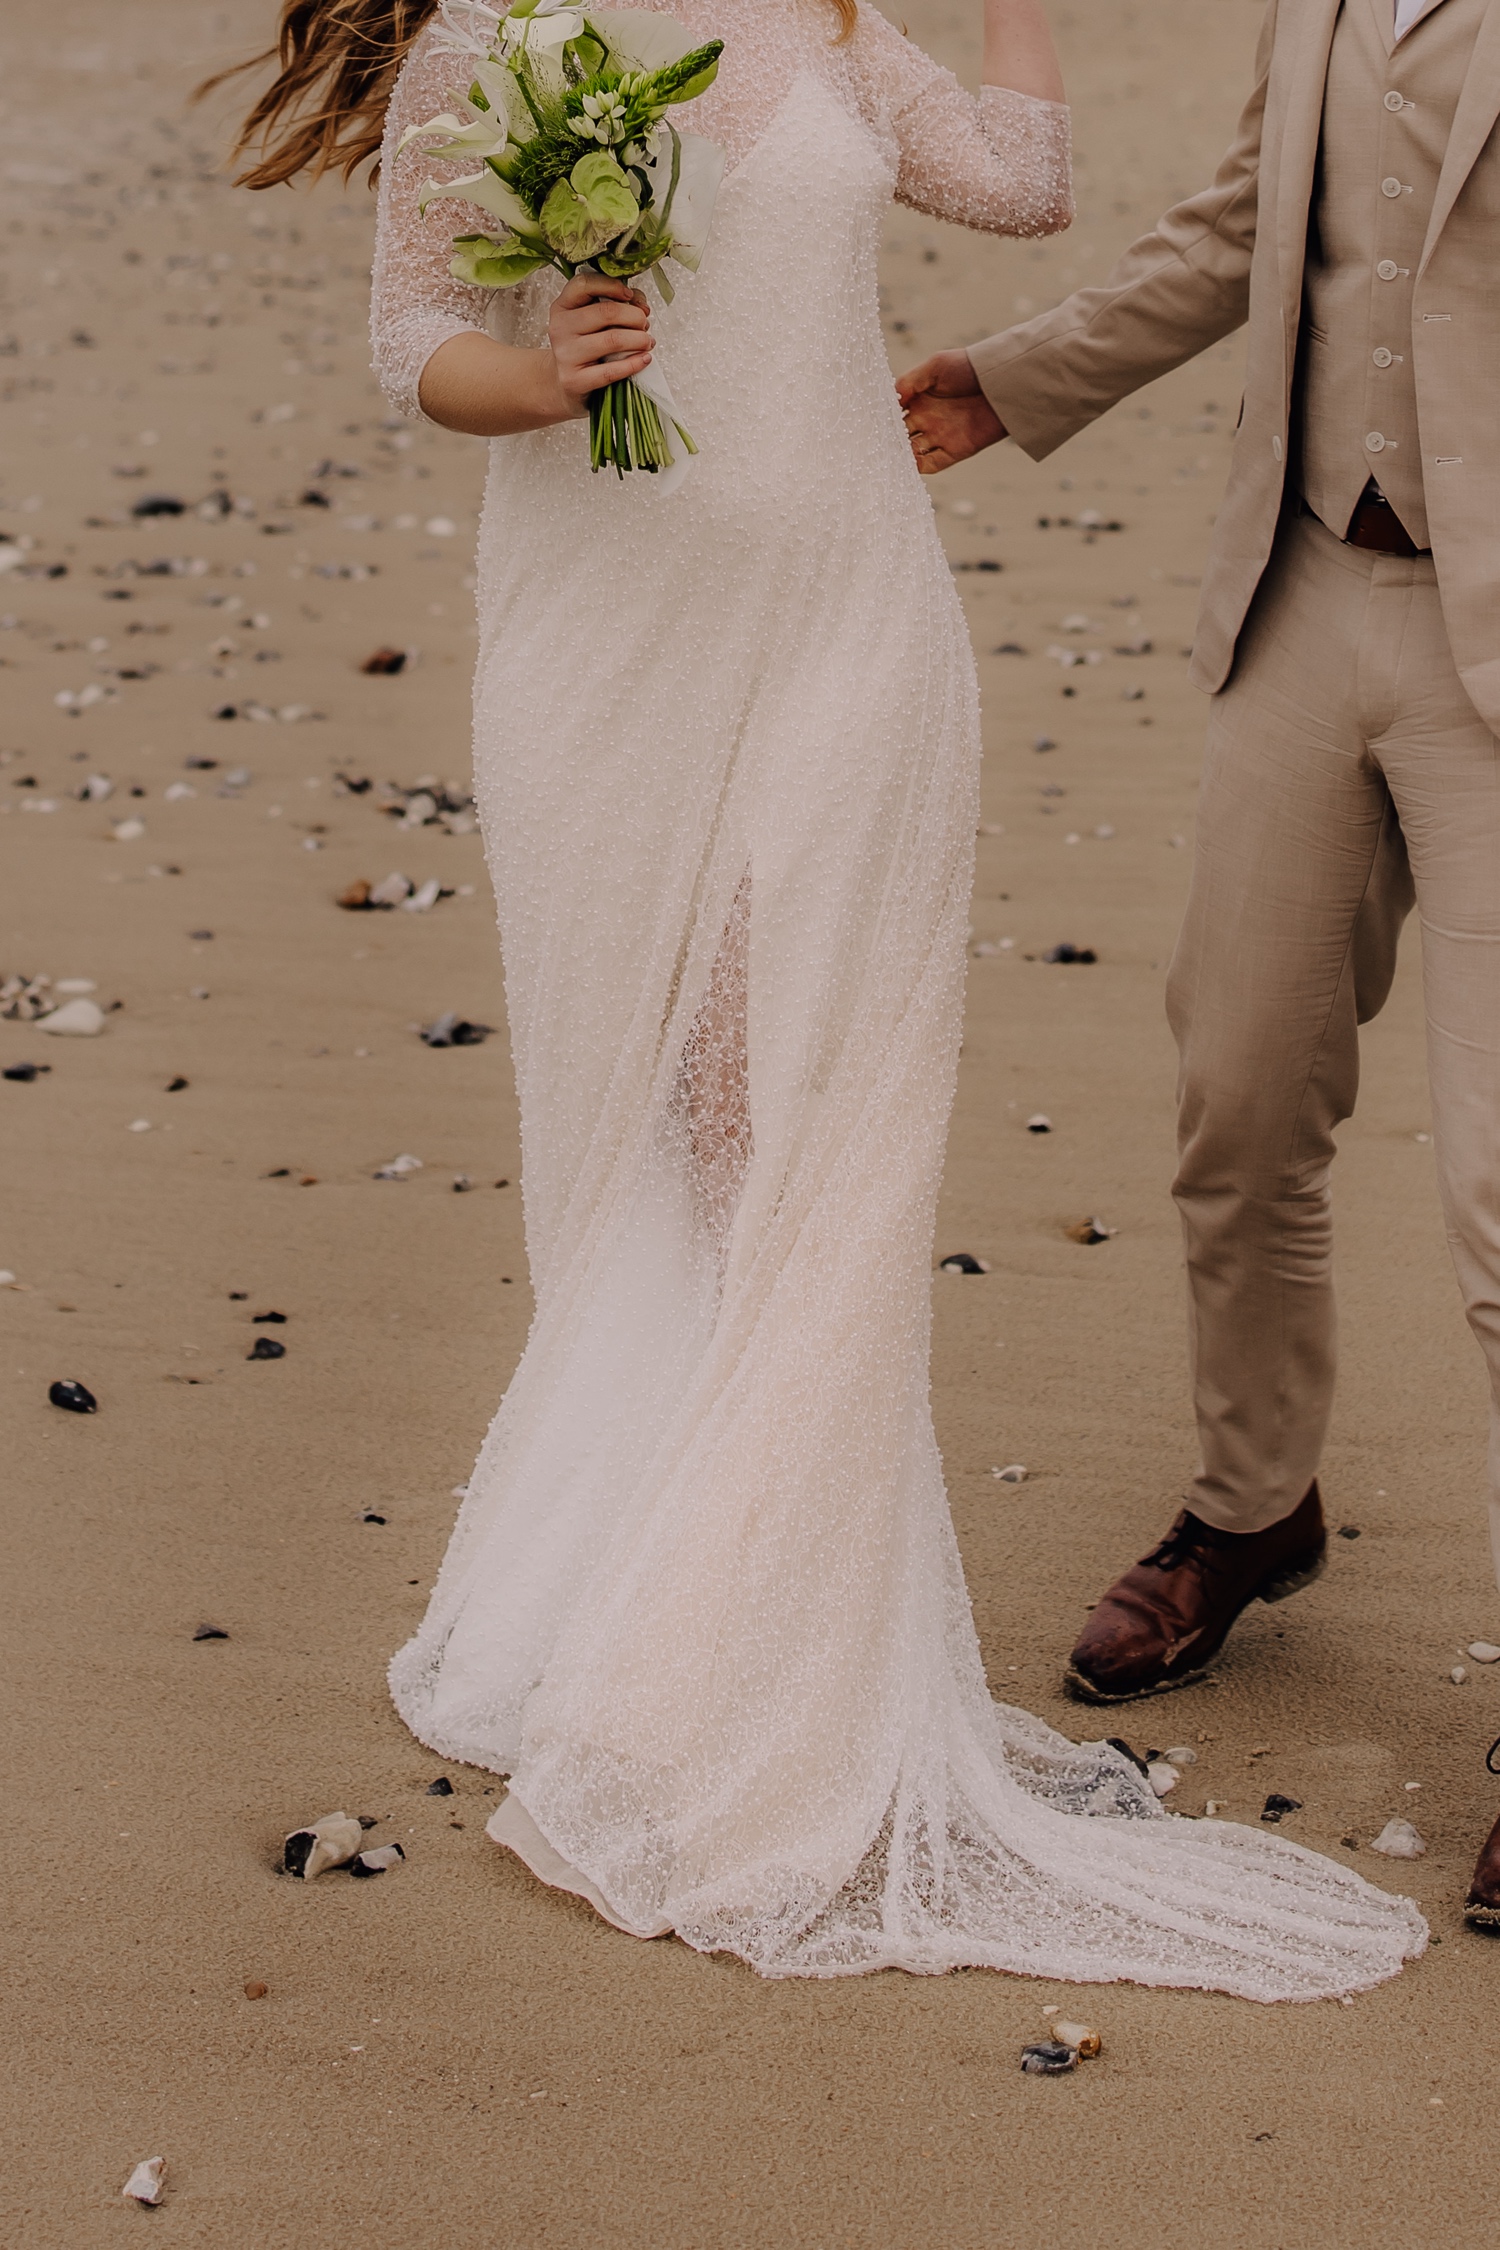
x=1240, y=252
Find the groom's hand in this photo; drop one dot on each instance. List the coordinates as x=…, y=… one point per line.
x=948, y=416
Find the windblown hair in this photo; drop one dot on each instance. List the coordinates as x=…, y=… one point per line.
x=325, y=109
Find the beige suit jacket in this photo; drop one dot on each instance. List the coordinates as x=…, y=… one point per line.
x=1235, y=253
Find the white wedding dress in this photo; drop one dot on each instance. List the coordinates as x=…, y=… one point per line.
x=703, y=1603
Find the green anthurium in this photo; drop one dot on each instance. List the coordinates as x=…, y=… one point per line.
x=589, y=208
x=486, y=264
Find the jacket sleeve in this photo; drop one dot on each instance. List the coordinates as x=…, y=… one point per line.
x=1173, y=293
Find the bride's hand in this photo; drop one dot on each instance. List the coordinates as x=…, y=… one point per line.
x=600, y=332
x=948, y=417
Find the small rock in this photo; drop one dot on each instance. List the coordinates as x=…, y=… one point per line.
x=1090, y=1230
x=392, y=890
x=139, y=1125
x=159, y=504
x=176, y=1086
x=399, y=1167
x=1043, y=741
x=1458, y=1675
x=1162, y=1777
x=1066, y=955
x=73, y=1398
x=255, y=1990
x=442, y=1787
x=423, y=901
x=377, y=1861
x=1183, y=1755
x=1348, y=1531
x=1014, y=1474
x=1039, y=1124
x=385, y=662
x=1048, y=2058
x=266, y=1347
x=75, y=1019
x=329, y=1842
x=370, y=1516
x=462, y=1183
x=454, y=1031
x=356, y=899
x=210, y=1633
x=262, y=1319
x=128, y=831
x=145, y=2184
x=1484, y=1652
x=962, y=1261
x=24, y=1074
x=1398, y=1840
x=1081, y=2037
x=1276, y=1805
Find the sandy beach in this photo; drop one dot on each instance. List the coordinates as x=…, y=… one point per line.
x=193, y=768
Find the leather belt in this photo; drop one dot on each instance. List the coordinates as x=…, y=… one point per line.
x=1376, y=526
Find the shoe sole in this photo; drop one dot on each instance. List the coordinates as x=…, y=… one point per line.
x=1278, y=1588
x=1482, y=1917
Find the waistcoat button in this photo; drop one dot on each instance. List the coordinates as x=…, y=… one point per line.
x=1374, y=443
x=1390, y=187
x=1394, y=101
x=1276, y=448
x=1382, y=357
x=1387, y=269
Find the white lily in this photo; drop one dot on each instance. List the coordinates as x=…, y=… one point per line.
x=478, y=136
x=546, y=29
x=638, y=39
x=492, y=195
x=700, y=168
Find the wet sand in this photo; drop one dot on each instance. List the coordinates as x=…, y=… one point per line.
x=450, y=2055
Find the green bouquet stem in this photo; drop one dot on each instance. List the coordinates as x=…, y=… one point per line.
x=625, y=431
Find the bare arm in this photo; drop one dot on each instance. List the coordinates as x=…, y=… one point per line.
x=1019, y=52
x=599, y=332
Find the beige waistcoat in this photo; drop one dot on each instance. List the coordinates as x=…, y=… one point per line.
x=1387, y=109
x=1236, y=253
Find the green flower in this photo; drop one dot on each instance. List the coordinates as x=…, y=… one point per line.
x=486, y=264
x=589, y=208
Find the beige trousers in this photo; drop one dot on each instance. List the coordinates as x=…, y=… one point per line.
x=1347, y=777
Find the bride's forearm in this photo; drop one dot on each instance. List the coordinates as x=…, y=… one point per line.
x=487, y=389
x=1018, y=50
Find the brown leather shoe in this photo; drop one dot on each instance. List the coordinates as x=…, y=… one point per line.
x=1164, y=1622
x=1483, y=1909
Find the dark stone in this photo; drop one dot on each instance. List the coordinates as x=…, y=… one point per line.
x=159, y=504
x=1047, y=2058
x=266, y=1347
x=442, y=1787
x=210, y=1633
x=370, y=1516
x=177, y=1086
x=1348, y=1531
x=385, y=662
x=1065, y=954
x=297, y=1850
x=24, y=1073
x=260, y=1319
x=453, y=1031
x=1276, y=1805
x=961, y=1261
x=73, y=1398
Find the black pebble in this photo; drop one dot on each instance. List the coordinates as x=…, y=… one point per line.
x=1046, y=2058
x=442, y=1787
x=24, y=1073
x=201, y=937
x=1348, y=1531
x=210, y=1633
x=74, y=1398
x=370, y=1516
x=1276, y=1805
x=258, y=1319
x=297, y=1850
x=266, y=1347
x=961, y=1261
x=1065, y=955
x=159, y=504
x=238, y=1296
x=177, y=1086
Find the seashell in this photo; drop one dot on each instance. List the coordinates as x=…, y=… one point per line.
x=1082, y=2037
x=126, y=831
x=1048, y=2058
x=1398, y=1840
x=377, y=1861
x=356, y=898
x=1039, y=1124
x=139, y=1125
x=398, y=1167
x=75, y=984
x=392, y=890
x=266, y=1347
x=1162, y=1777
x=962, y=1261
x=440, y=527
x=1015, y=1474
x=461, y=1183
x=1090, y=1230
x=1458, y=1675
x=385, y=662
x=177, y=791
x=1183, y=1755
x=421, y=807
x=1275, y=1805
x=255, y=1990
x=422, y=901
x=74, y=1398
x=329, y=1842
x=145, y=2182
x=453, y=1030
x=75, y=1019
x=1484, y=1652
x=210, y=1633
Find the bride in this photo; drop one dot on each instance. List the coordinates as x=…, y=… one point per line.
x=703, y=1604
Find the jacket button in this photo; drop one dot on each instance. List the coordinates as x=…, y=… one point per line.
x=1382, y=357
x=1390, y=187
x=1387, y=269
x=1374, y=443
x=1395, y=101
x=1276, y=447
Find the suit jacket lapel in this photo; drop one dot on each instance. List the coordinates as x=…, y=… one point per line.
x=1302, y=118
x=1473, y=122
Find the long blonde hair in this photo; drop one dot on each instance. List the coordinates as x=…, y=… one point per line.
x=325, y=109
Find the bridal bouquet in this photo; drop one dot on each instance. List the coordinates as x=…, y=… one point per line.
x=584, y=170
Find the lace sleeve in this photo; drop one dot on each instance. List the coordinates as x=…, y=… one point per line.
x=415, y=303
x=1001, y=163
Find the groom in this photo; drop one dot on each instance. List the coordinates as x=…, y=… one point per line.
x=1349, y=634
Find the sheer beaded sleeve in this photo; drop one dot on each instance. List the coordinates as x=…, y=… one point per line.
x=1001, y=163
x=415, y=303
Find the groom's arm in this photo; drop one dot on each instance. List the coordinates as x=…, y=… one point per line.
x=1173, y=293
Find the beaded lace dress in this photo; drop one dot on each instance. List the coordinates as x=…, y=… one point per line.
x=703, y=1603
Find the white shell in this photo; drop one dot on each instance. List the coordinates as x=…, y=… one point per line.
x=1484, y=1652
x=1083, y=2036
x=1015, y=1474
x=1458, y=1675
x=145, y=2182
x=337, y=1839
x=1398, y=1840
x=391, y=891
x=1162, y=1777
x=75, y=1019
x=126, y=831
x=1181, y=1756
x=423, y=900
x=398, y=1167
